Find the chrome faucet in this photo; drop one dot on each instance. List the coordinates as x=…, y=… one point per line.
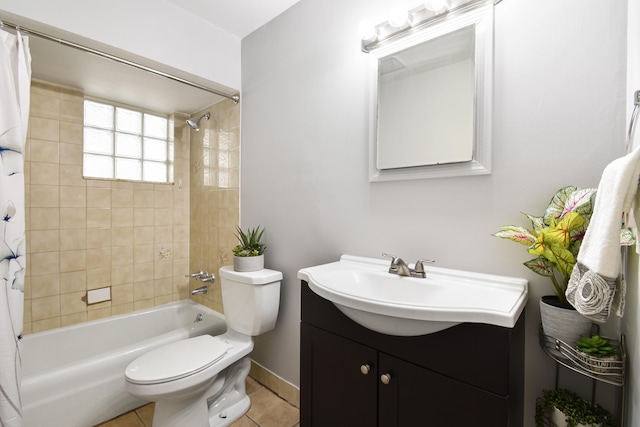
x=202, y=276
x=201, y=290
x=399, y=267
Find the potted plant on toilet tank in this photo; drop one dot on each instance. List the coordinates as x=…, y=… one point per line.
x=248, y=255
x=555, y=240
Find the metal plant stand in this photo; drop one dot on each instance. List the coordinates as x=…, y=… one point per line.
x=609, y=371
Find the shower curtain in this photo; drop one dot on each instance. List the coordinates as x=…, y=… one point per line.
x=15, y=81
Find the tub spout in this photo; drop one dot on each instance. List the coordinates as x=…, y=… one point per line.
x=200, y=290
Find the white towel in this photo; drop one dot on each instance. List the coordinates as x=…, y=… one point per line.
x=592, y=285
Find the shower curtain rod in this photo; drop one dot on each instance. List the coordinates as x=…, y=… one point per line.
x=234, y=98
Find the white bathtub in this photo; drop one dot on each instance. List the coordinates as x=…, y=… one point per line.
x=74, y=376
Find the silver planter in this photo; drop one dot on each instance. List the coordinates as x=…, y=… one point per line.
x=248, y=263
x=565, y=324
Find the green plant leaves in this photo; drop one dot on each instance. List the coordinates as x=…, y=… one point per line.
x=250, y=242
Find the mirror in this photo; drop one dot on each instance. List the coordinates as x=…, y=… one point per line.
x=431, y=100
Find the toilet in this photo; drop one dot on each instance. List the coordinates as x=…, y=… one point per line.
x=200, y=381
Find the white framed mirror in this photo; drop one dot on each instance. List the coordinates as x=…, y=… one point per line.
x=431, y=100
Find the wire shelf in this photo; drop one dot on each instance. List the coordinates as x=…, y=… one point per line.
x=605, y=370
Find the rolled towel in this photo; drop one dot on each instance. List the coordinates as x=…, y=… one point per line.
x=593, y=282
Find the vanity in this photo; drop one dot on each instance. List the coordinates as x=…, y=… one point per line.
x=466, y=374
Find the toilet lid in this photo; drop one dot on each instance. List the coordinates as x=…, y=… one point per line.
x=176, y=360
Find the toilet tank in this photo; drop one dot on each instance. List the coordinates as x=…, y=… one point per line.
x=251, y=299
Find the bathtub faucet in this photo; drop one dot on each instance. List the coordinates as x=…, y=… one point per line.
x=202, y=276
x=201, y=290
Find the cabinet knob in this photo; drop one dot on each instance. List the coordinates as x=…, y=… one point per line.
x=365, y=369
x=385, y=378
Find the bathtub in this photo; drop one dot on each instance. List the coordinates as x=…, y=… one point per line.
x=74, y=376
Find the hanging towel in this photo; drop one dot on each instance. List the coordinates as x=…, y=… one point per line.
x=592, y=285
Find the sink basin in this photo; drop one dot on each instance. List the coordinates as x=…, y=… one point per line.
x=365, y=292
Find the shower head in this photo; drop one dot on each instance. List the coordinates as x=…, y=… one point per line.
x=195, y=124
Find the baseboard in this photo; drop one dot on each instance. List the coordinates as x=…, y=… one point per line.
x=281, y=387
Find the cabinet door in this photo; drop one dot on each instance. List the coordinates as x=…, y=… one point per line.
x=416, y=396
x=334, y=391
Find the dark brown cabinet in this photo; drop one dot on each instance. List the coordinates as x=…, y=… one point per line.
x=468, y=375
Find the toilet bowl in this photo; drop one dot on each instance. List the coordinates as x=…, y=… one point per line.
x=200, y=381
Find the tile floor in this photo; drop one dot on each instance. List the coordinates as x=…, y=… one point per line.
x=267, y=410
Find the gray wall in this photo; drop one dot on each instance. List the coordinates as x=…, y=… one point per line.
x=559, y=118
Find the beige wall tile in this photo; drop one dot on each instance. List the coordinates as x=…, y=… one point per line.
x=143, y=198
x=122, y=197
x=98, y=277
x=143, y=272
x=99, y=197
x=99, y=258
x=143, y=253
x=98, y=218
x=73, y=281
x=44, y=128
x=71, y=132
x=73, y=197
x=44, y=218
x=44, y=196
x=73, y=261
x=71, y=218
x=121, y=217
x=44, y=173
x=70, y=154
x=142, y=290
x=122, y=236
x=98, y=238
x=73, y=319
x=163, y=234
x=122, y=294
x=45, y=308
x=71, y=175
x=44, y=240
x=143, y=217
x=44, y=263
x=143, y=235
x=162, y=199
x=122, y=255
x=43, y=151
x=45, y=286
x=163, y=216
x=122, y=274
x=72, y=303
x=73, y=239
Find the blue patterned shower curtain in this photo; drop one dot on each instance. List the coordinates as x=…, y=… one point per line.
x=15, y=81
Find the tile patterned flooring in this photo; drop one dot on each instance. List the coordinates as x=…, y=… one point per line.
x=267, y=410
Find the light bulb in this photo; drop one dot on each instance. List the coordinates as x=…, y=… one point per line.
x=368, y=32
x=437, y=6
x=398, y=18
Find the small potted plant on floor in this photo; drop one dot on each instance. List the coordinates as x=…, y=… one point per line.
x=597, y=354
x=248, y=255
x=564, y=408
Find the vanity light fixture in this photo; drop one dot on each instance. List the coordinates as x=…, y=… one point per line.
x=437, y=6
x=401, y=23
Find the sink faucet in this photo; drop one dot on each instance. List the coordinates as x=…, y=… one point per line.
x=399, y=267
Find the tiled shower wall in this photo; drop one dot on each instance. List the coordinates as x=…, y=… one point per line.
x=88, y=233
x=215, y=176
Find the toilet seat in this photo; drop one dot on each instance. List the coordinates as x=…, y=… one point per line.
x=177, y=360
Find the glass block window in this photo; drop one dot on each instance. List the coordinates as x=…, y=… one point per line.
x=123, y=143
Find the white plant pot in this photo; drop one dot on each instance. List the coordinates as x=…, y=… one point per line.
x=562, y=323
x=248, y=263
x=559, y=419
